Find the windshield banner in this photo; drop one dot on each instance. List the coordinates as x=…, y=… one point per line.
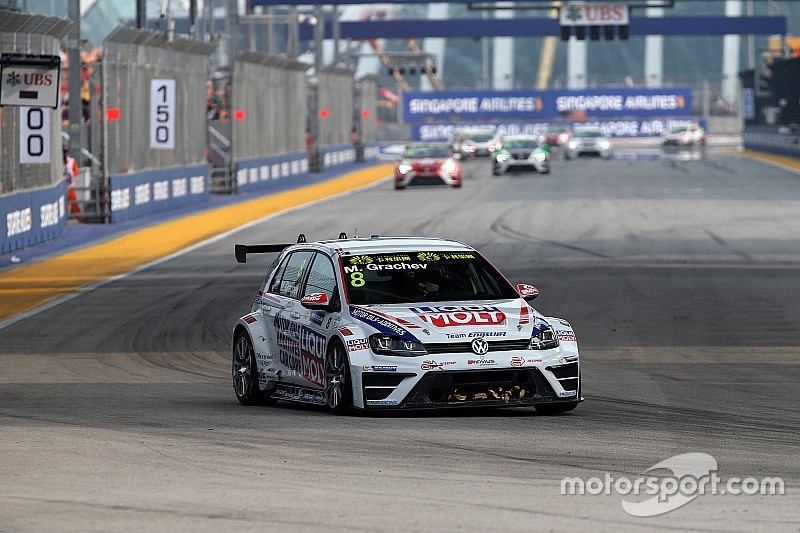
x=485, y=105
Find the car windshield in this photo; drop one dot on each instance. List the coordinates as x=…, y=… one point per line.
x=480, y=137
x=556, y=129
x=520, y=143
x=588, y=134
x=423, y=276
x=417, y=152
x=678, y=130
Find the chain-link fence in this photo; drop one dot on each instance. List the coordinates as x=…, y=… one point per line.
x=154, y=101
x=335, y=93
x=269, y=105
x=35, y=35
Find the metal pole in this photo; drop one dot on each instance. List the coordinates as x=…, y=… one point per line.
x=337, y=35
x=233, y=30
x=74, y=110
x=141, y=13
x=292, y=41
x=316, y=163
x=249, y=29
x=192, y=19
x=269, y=30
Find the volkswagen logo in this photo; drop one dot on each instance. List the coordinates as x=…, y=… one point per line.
x=480, y=346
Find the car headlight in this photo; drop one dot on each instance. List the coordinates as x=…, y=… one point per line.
x=449, y=166
x=603, y=144
x=545, y=340
x=389, y=345
x=540, y=156
x=404, y=168
x=502, y=157
x=573, y=145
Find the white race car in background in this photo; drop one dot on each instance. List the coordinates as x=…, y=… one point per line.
x=588, y=142
x=685, y=137
x=398, y=323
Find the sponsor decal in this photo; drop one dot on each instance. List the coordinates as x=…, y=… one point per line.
x=353, y=345
x=568, y=336
x=250, y=319
x=380, y=323
x=316, y=297
x=476, y=334
x=378, y=368
x=19, y=222
x=345, y=331
x=482, y=362
x=49, y=214
x=527, y=290
x=431, y=364
x=382, y=402
x=299, y=394
x=120, y=199
x=567, y=359
x=568, y=393
x=264, y=357
x=312, y=356
x=265, y=299
x=316, y=317
x=518, y=360
x=444, y=316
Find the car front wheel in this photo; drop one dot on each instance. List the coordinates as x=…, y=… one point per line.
x=338, y=391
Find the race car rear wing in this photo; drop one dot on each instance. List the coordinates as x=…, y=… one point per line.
x=241, y=250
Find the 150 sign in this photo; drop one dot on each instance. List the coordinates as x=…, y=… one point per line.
x=162, y=114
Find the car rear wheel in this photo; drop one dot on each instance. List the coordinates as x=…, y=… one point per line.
x=338, y=391
x=495, y=170
x=555, y=409
x=245, y=374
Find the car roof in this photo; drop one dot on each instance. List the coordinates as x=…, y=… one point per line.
x=373, y=245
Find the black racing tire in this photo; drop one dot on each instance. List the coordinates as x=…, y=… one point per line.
x=398, y=187
x=495, y=171
x=338, y=389
x=244, y=373
x=567, y=157
x=555, y=409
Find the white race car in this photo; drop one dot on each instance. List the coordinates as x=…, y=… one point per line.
x=685, y=136
x=398, y=323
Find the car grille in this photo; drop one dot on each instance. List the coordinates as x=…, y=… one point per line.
x=481, y=388
x=466, y=347
x=425, y=170
x=522, y=155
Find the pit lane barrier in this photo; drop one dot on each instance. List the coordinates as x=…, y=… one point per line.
x=779, y=140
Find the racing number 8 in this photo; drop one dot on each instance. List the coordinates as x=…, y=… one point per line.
x=357, y=279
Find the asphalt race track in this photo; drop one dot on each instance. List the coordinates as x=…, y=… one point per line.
x=682, y=282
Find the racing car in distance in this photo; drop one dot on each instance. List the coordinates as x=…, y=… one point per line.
x=521, y=152
x=685, y=137
x=475, y=143
x=556, y=135
x=427, y=164
x=588, y=142
x=398, y=323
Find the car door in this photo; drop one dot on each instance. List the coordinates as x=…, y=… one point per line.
x=316, y=326
x=280, y=303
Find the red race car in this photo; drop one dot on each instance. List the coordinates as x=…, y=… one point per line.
x=427, y=164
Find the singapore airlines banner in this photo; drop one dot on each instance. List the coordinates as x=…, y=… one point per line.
x=487, y=105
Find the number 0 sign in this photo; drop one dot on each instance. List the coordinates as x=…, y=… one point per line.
x=34, y=135
x=162, y=114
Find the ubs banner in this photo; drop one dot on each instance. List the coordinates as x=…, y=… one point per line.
x=529, y=104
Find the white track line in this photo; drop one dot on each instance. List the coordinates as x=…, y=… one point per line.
x=89, y=288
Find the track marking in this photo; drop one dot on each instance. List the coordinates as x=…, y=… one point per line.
x=789, y=164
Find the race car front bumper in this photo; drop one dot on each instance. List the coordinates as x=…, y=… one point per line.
x=504, y=387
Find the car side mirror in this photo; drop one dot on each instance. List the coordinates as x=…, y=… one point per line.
x=528, y=292
x=546, y=147
x=317, y=300
x=457, y=156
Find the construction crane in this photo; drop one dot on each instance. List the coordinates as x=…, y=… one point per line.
x=436, y=83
